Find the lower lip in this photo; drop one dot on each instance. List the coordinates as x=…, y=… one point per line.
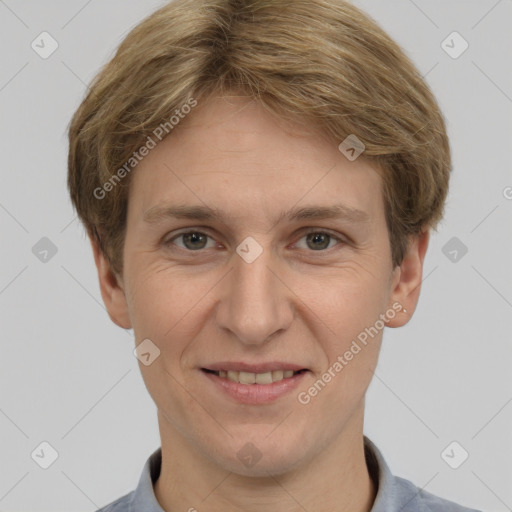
x=255, y=394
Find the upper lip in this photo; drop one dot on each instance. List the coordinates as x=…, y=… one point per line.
x=253, y=368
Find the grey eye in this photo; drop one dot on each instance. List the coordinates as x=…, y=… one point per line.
x=192, y=240
x=319, y=241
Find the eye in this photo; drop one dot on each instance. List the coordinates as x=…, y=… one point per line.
x=320, y=240
x=192, y=240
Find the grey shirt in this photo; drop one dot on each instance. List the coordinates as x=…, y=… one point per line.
x=394, y=494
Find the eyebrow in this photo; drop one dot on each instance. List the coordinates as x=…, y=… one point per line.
x=158, y=214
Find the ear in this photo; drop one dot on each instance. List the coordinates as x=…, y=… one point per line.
x=406, y=279
x=112, y=288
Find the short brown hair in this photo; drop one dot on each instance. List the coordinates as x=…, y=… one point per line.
x=324, y=62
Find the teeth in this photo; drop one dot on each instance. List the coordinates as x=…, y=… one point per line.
x=263, y=378
x=256, y=378
x=246, y=378
x=233, y=375
x=277, y=375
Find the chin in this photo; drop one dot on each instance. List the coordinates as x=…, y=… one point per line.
x=267, y=466
x=257, y=455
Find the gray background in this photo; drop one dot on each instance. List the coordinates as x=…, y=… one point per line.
x=68, y=375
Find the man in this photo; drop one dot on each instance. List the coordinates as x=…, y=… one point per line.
x=259, y=180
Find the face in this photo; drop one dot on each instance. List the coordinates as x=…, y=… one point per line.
x=256, y=246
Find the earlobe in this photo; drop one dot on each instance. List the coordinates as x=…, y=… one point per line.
x=407, y=279
x=111, y=288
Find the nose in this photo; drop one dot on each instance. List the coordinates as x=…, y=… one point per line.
x=255, y=304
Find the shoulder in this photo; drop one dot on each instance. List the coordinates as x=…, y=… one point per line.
x=122, y=504
x=421, y=500
x=142, y=497
x=396, y=494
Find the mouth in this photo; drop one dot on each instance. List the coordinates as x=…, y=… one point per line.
x=249, y=378
x=254, y=384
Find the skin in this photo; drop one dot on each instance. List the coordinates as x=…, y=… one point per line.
x=200, y=303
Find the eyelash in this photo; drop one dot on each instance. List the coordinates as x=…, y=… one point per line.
x=338, y=239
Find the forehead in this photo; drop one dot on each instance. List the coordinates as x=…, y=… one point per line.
x=231, y=154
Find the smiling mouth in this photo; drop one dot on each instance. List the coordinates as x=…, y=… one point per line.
x=255, y=378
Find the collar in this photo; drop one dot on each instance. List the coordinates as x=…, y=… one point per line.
x=393, y=493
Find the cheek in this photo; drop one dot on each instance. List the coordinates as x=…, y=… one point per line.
x=150, y=287
x=170, y=308
x=156, y=305
x=347, y=300
x=344, y=317
x=351, y=344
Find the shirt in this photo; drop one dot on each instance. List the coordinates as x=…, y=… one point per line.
x=394, y=494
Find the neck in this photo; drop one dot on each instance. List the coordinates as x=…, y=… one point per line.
x=336, y=479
